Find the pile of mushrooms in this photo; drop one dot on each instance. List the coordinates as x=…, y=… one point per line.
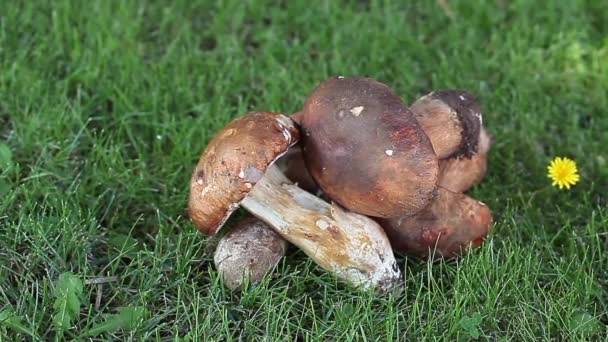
x=352, y=179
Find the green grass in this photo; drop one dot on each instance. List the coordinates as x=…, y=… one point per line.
x=105, y=107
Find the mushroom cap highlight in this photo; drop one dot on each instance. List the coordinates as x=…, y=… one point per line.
x=365, y=149
x=233, y=162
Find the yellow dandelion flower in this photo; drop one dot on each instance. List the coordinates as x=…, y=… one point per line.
x=563, y=172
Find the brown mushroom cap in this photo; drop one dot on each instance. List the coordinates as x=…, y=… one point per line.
x=445, y=228
x=460, y=174
x=233, y=162
x=451, y=118
x=251, y=249
x=365, y=149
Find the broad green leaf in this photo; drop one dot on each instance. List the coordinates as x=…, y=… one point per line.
x=584, y=323
x=10, y=320
x=6, y=157
x=127, y=318
x=68, y=293
x=470, y=324
x=4, y=188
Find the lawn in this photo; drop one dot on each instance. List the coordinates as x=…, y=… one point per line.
x=105, y=107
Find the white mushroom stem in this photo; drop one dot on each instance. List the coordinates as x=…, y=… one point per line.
x=350, y=245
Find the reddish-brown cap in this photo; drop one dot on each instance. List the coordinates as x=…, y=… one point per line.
x=445, y=228
x=365, y=149
x=452, y=119
x=233, y=162
x=460, y=174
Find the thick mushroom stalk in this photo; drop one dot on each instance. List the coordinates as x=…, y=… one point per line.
x=444, y=229
x=350, y=245
x=237, y=168
x=250, y=251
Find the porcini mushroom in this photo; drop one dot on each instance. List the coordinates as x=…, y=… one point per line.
x=452, y=120
x=250, y=250
x=365, y=149
x=233, y=162
x=460, y=174
x=444, y=229
x=237, y=169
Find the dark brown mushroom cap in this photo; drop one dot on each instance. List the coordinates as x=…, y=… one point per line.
x=451, y=223
x=452, y=120
x=233, y=162
x=365, y=149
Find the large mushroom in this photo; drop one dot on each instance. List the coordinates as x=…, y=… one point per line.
x=348, y=121
x=237, y=169
x=365, y=149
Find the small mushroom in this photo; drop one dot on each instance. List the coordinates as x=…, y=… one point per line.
x=365, y=149
x=444, y=229
x=249, y=251
x=460, y=174
x=237, y=169
x=451, y=118
x=234, y=161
